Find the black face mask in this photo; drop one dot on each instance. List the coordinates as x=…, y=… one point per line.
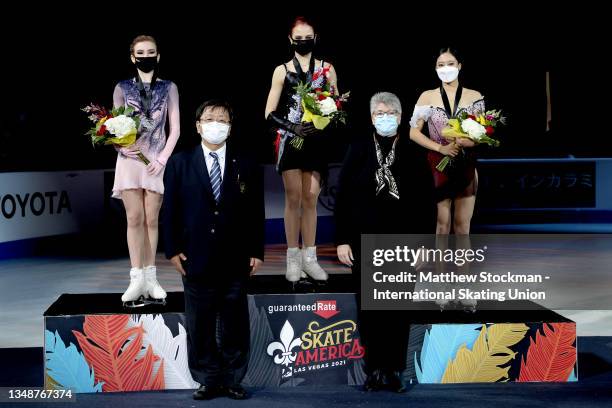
x=303, y=47
x=146, y=64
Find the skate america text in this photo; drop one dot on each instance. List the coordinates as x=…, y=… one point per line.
x=320, y=345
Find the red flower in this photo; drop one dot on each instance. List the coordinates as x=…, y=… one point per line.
x=472, y=117
x=321, y=97
x=490, y=130
x=338, y=104
x=318, y=90
x=101, y=131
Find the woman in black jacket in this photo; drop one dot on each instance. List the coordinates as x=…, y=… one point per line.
x=384, y=188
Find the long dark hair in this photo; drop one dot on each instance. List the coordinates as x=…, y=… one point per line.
x=450, y=50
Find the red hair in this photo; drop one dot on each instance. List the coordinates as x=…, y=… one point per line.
x=301, y=20
x=141, y=38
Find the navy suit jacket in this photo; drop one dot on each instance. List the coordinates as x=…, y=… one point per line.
x=217, y=239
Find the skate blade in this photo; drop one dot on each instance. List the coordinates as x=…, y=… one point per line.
x=161, y=302
x=312, y=281
x=308, y=285
x=133, y=303
x=469, y=309
x=302, y=286
x=447, y=306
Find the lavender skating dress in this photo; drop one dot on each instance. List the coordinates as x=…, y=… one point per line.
x=152, y=142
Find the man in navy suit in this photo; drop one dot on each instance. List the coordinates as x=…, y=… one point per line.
x=213, y=221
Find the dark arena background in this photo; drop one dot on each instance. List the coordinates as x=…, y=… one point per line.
x=547, y=68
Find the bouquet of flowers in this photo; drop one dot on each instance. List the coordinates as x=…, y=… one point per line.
x=321, y=106
x=478, y=129
x=117, y=127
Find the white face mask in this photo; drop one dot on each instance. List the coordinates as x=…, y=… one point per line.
x=214, y=132
x=447, y=74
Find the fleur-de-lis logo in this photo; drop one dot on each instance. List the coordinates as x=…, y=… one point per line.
x=283, y=351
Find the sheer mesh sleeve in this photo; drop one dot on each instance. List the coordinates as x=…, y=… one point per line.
x=175, y=125
x=420, y=112
x=118, y=97
x=476, y=107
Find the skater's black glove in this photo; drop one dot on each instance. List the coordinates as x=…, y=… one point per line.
x=300, y=129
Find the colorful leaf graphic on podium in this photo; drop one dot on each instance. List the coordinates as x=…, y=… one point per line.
x=112, y=349
x=552, y=356
x=146, y=380
x=172, y=350
x=490, y=351
x=66, y=366
x=50, y=383
x=440, y=346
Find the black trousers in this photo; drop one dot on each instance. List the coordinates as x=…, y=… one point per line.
x=383, y=333
x=217, y=330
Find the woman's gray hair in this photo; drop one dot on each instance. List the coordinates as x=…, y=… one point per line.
x=387, y=98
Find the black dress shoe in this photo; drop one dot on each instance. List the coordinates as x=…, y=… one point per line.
x=236, y=392
x=393, y=381
x=206, y=392
x=373, y=381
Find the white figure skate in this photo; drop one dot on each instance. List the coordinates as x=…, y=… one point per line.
x=134, y=294
x=153, y=292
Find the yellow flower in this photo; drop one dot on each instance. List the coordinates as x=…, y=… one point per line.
x=127, y=140
x=482, y=120
x=320, y=122
x=453, y=131
x=455, y=125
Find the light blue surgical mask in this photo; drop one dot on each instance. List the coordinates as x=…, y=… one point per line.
x=386, y=125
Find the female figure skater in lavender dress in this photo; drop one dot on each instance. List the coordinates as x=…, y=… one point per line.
x=139, y=185
x=458, y=183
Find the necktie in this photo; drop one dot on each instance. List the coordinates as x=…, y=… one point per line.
x=215, y=177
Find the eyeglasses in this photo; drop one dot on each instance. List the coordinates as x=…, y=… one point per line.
x=208, y=120
x=381, y=113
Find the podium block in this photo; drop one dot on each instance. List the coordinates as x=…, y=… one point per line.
x=491, y=346
x=94, y=344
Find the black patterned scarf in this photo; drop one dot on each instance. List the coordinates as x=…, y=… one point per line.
x=384, y=177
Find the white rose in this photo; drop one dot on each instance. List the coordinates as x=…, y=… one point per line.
x=120, y=126
x=327, y=106
x=474, y=129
